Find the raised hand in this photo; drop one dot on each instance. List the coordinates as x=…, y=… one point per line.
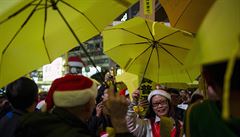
x=117, y=107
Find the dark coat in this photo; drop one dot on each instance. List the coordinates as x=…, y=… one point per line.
x=10, y=122
x=203, y=119
x=98, y=124
x=59, y=123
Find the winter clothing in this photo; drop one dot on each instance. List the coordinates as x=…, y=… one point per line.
x=147, y=127
x=10, y=122
x=5, y=109
x=203, y=119
x=60, y=123
x=159, y=92
x=75, y=61
x=70, y=90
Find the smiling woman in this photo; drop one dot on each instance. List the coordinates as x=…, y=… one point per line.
x=157, y=122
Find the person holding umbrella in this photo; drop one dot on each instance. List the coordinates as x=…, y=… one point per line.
x=158, y=122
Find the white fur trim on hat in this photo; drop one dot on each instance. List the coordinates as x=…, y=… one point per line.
x=75, y=64
x=159, y=92
x=74, y=97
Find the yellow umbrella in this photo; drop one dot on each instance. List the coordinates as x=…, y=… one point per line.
x=35, y=32
x=186, y=14
x=150, y=49
x=131, y=80
x=218, y=40
x=218, y=36
x=134, y=82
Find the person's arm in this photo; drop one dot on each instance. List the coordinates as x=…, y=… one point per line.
x=122, y=114
x=136, y=125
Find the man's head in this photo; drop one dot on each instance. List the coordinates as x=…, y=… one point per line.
x=214, y=76
x=175, y=96
x=22, y=93
x=72, y=91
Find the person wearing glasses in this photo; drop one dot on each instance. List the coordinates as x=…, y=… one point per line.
x=157, y=122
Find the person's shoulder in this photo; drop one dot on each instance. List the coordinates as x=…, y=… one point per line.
x=10, y=117
x=199, y=106
x=35, y=119
x=39, y=124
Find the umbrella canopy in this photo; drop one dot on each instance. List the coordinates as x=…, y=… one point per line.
x=218, y=42
x=186, y=14
x=150, y=49
x=35, y=32
x=131, y=80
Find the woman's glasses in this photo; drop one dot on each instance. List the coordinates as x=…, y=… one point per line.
x=162, y=103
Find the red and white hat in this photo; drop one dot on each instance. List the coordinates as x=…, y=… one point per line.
x=75, y=61
x=159, y=92
x=70, y=91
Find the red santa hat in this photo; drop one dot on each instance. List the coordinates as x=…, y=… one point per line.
x=75, y=61
x=159, y=92
x=70, y=91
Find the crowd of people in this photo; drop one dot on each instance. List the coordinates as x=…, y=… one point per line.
x=77, y=106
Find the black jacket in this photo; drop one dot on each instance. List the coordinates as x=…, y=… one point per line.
x=10, y=122
x=59, y=123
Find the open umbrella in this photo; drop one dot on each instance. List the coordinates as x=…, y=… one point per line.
x=34, y=32
x=186, y=14
x=218, y=40
x=150, y=49
x=131, y=80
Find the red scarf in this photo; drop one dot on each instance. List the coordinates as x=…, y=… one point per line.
x=155, y=128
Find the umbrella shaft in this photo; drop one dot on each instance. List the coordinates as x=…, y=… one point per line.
x=79, y=42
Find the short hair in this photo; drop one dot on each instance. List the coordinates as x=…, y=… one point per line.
x=215, y=73
x=22, y=93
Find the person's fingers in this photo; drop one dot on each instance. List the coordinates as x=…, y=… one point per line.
x=110, y=91
x=99, y=104
x=143, y=101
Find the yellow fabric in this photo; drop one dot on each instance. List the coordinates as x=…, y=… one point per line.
x=166, y=126
x=131, y=80
x=27, y=51
x=110, y=131
x=187, y=119
x=138, y=109
x=120, y=45
x=186, y=14
x=227, y=83
x=218, y=36
x=218, y=40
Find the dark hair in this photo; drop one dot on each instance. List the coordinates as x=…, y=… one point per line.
x=22, y=93
x=173, y=91
x=214, y=75
x=151, y=114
